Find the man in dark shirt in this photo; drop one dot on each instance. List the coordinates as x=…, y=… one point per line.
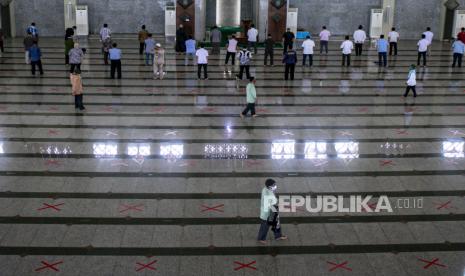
x=288, y=39
x=290, y=59
x=269, y=46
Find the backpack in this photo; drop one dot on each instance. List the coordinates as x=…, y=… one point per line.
x=244, y=58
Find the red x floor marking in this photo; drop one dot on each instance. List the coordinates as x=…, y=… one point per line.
x=431, y=263
x=52, y=162
x=383, y=163
x=146, y=266
x=212, y=208
x=194, y=91
x=51, y=206
x=371, y=206
x=103, y=89
x=49, y=266
x=131, y=207
x=411, y=109
x=53, y=89
x=108, y=109
x=401, y=131
x=210, y=109
x=158, y=109
x=362, y=109
x=3, y=107
x=243, y=265
x=444, y=205
x=341, y=265
x=151, y=90
x=312, y=109
x=53, y=132
x=262, y=110
x=254, y=162
x=461, y=109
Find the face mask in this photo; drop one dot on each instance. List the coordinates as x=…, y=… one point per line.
x=273, y=188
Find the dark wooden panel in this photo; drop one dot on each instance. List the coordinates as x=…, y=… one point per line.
x=185, y=10
x=277, y=19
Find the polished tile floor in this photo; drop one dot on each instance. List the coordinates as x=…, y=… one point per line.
x=164, y=178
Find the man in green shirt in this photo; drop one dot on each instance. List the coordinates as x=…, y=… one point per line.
x=251, y=98
x=269, y=213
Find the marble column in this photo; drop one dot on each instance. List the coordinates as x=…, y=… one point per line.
x=262, y=15
x=388, y=20
x=228, y=13
x=70, y=13
x=200, y=19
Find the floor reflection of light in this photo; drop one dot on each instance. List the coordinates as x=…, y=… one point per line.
x=283, y=149
x=315, y=150
x=453, y=149
x=138, y=149
x=1, y=149
x=226, y=151
x=105, y=149
x=346, y=150
x=172, y=150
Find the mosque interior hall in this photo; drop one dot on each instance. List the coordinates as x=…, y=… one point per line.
x=232, y=137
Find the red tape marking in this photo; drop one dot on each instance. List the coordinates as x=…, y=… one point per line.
x=244, y=265
x=49, y=266
x=212, y=208
x=431, y=263
x=146, y=266
x=341, y=266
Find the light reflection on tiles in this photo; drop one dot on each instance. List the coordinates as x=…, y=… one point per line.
x=315, y=150
x=346, y=150
x=283, y=149
x=453, y=149
x=226, y=151
x=105, y=149
x=138, y=149
x=172, y=152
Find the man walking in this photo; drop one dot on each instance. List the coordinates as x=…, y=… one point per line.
x=359, y=39
x=269, y=215
x=142, y=36
x=269, y=50
x=75, y=57
x=459, y=49
x=308, y=46
x=252, y=35
x=105, y=32
x=244, y=62
x=231, y=49
x=422, y=49
x=461, y=35
x=290, y=59
x=180, y=40
x=190, y=50
x=35, y=57
x=393, y=37
x=215, y=38
x=411, y=82
x=149, y=49
x=2, y=37
x=346, y=47
x=251, y=99
x=34, y=31
x=202, y=62
x=115, y=61
x=382, y=47
x=429, y=35
x=324, y=39
x=288, y=39
x=28, y=42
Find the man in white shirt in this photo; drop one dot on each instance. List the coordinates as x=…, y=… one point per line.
x=308, y=46
x=202, y=61
x=346, y=47
x=231, y=49
x=422, y=49
x=393, y=37
x=324, y=38
x=105, y=32
x=359, y=39
x=252, y=35
x=429, y=36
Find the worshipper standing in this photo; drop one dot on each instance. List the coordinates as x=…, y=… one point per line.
x=158, y=62
x=105, y=32
x=269, y=215
x=290, y=60
x=359, y=39
x=422, y=49
x=324, y=39
x=115, y=59
x=149, y=49
x=429, y=36
x=190, y=50
x=231, y=49
x=461, y=35
x=106, y=46
x=181, y=37
x=252, y=35
x=34, y=56
x=308, y=46
x=28, y=42
x=393, y=37
x=34, y=31
x=202, y=61
x=2, y=37
x=75, y=35
x=459, y=49
x=76, y=88
x=411, y=81
x=346, y=47
x=69, y=44
x=75, y=57
x=215, y=39
x=269, y=49
x=244, y=57
x=382, y=47
x=251, y=98
x=288, y=39
x=142, y=36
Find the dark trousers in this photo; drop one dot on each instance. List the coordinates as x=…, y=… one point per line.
x=457, y=59
x=1, y=46
x=105, y=58
x=66, y=59
x=393, y=48
x=33, y=67
x=358, y=49
x=264, y=227
x=290, y=68
x=382, y=59
x=286, y=45
x=250, y=107
x=199, y=70
x=115, y=64
x=252, y=44
x=241, y=71
x=232, y=56
x=216, y=47
x=141, y=48
x=323, y=44
x=344, y=58
x=420, y=55
x=268, y=53
x=407, y=90
x=310, y=60
x=78, y=102
x=74, y=65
